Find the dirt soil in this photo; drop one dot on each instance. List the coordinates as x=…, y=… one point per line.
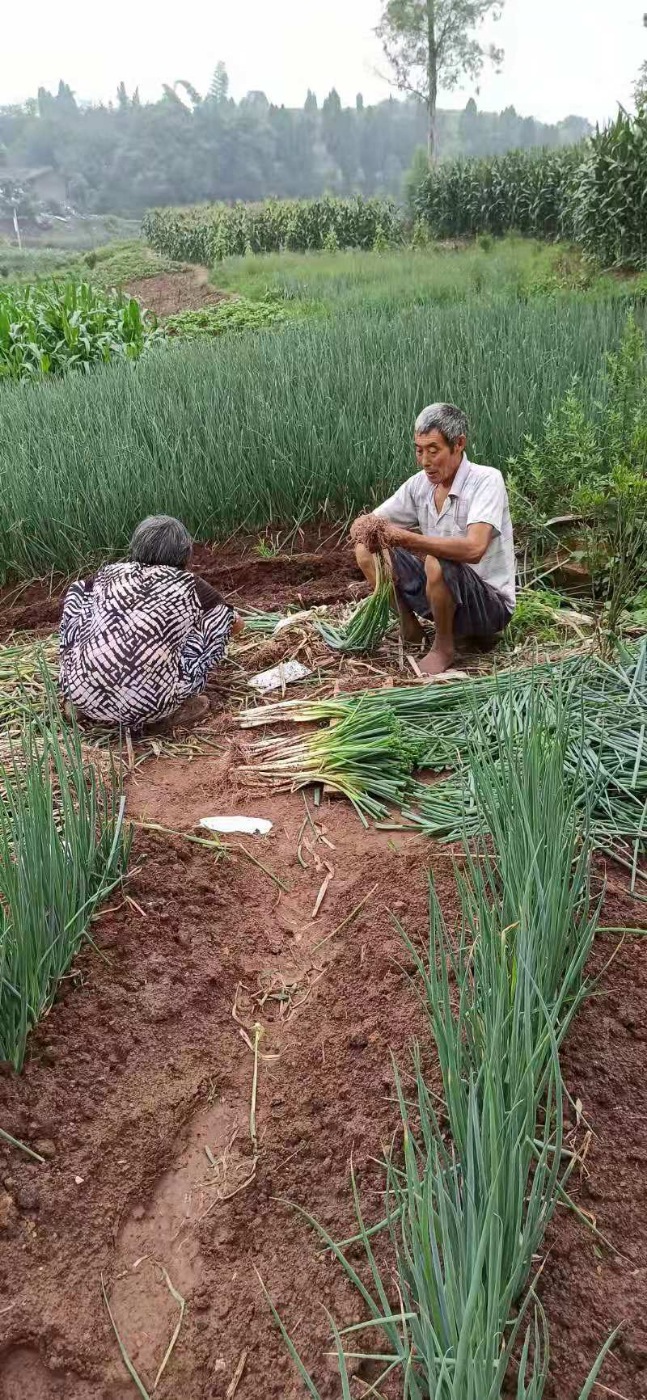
x=310, y=570
x=138, y=1091
x=171, y=292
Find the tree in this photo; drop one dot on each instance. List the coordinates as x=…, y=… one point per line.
x=219, y=87
x=65, y=98
x=640, y=85
x=191, y=92
x=432, y=44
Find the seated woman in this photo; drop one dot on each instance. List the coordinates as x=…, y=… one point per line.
x=140, y=638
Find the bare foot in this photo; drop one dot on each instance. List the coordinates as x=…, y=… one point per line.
x=191, y=711
x=436, y=661
x=187, y=715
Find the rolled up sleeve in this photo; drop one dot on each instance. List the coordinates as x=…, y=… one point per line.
x=400, y=508
x=488, y=503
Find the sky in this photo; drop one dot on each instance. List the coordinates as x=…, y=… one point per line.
x=561, y=56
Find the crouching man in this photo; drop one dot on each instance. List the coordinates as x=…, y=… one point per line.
x=449, y=535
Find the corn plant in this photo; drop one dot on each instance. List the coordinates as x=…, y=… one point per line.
x=609, y=193
x=63, y=847
x=207, y=233
x=48, y=328
x=471, y=1191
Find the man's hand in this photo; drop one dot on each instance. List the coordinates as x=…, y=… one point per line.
x=369, y=532
x=238, y=625
x=396, y=536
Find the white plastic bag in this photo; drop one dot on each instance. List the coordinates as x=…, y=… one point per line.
x=250, y=826
x=279, y=676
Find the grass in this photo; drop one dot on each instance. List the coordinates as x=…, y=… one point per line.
x=396, y=279
x=110, y=265
x=202, y=431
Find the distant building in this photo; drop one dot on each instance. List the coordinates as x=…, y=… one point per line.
x=45, y=184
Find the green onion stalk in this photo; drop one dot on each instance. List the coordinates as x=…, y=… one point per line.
x=368, y=624
x=23, y=666
x=607, y=747
x=472, y=1187
x=63, y=847
x=257, y=621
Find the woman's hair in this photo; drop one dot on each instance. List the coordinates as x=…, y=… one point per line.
x=160, y=539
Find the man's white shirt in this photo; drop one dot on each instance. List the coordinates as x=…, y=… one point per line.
x=477, y=495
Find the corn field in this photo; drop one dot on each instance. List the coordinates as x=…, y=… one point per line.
x=609, y=194
x=50, y=328
x=524, y=190
x=209, y=232
x=595, y=193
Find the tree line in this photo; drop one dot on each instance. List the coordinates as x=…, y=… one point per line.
x=128, y=155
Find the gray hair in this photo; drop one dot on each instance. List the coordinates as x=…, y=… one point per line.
x=160, y=539
x=443, y=418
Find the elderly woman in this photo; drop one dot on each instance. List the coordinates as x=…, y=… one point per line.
x=140, y=637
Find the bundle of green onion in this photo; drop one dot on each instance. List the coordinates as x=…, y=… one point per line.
x=368, y=623
x=606, y=706
x=366, y=756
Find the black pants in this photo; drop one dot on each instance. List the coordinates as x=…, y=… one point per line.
x=480, y=609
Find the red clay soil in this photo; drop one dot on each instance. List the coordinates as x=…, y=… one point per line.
x=171, y=292
x=586, y=1288
x=141, y=1066
x=319, y=572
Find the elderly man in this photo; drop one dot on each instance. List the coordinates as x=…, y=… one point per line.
x=140, y=638
x=449, y=534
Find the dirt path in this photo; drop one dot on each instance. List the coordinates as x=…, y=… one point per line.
x=170, y=292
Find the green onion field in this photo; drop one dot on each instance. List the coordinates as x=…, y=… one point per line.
x=357, y=1107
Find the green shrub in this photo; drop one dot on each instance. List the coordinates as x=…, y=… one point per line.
x=593, y=463
x=548, y=470
x=47, y=329
x=236, y=315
